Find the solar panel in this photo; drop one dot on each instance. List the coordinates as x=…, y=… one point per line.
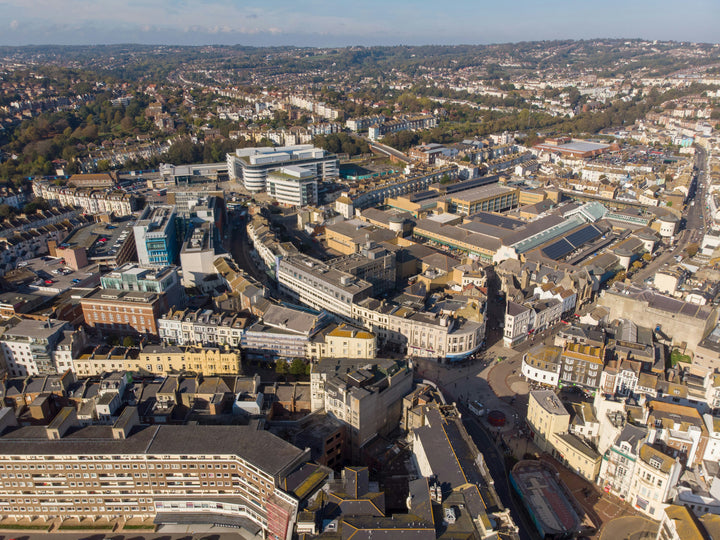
x=582, y=236
x=558, y=250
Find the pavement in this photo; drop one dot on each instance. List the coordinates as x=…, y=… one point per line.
x=630, y=528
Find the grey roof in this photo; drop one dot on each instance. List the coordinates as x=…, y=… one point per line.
x=549, y=401
x=261, y=448
x=633, y=435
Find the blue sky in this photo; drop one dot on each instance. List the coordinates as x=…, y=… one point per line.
x=364, y=22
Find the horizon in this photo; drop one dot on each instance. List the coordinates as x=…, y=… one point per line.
x=317, y=23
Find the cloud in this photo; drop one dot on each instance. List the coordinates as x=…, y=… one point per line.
x=14, y=25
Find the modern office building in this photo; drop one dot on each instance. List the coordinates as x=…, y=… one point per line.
x=293, y=185
x=155, y=237
x=131, y=277
x=252, y=165
x=229, y=475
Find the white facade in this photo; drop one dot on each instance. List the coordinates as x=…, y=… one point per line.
x=294, y=186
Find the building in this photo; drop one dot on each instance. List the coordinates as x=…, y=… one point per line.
x=293, y=185
x=656, y=474
x=124, y=312
x=92, y=201
x=582, y=365
x=167, y=473
x=373, y=264
x=201, y=327
x=684, y=323
x=29, y=347
x=163, y=360
x=344, y=341
x=282, y=332
x=617, y=470
x=155, y=237
x=552, y=508
x=366, y=397
x=197, y=258
x=546, y=416
x=96, y=180
x=541, y=364
x=252, y=165
x=490, y=198
x=320, y=286
x=131, y=277
x=679, y=523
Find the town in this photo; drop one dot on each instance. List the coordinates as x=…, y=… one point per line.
x=397, y=292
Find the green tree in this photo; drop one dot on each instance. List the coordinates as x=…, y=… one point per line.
x=281, y=367
x=128, y=341
x=297, y=367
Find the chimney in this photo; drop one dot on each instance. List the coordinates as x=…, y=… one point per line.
x=63, y=421
x=125, y=422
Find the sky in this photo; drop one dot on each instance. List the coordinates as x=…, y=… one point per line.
x=323, y=23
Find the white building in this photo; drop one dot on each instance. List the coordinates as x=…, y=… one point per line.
x=252, y=165
x=29, y=346
x=293, y=185
x=654, y=479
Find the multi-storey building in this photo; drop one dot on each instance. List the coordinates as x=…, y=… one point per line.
x=656, y=474
x=131, y=277
x=582, y=365
x=197, y=258
x=367, y=398
x=320, y=286
x=29, y=347
x=293, y=185
x=343, y=341
x=430, y=334
x=617, y=469
x=374, y=264
x=92, y=201
x=541, y=364
x=282, y=332
x=160, y=359
x=252, y=165
x=155, y=237
x=201, y=327
x=205, y=474
x=124, y=312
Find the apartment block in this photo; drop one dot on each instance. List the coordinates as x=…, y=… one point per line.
x=29, y=347
x=366, y=397
x=173, y=474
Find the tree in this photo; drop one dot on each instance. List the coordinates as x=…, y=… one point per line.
x=637, y=265
x=281, y=367
x=297, y=367
x=128, y=341
x=647, y=257
x=692, y=250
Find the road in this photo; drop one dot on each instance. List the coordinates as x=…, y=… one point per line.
x=495, y=462
x=694, y=219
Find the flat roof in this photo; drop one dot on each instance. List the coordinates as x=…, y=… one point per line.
x=261, y=448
